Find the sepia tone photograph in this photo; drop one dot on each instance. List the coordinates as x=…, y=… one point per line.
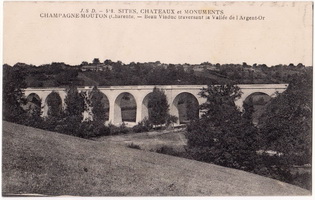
x=178, y=98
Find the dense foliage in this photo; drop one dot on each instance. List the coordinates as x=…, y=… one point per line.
x=13, y=83
x=73, y=112
x=158, y=107
x=75, y=104
x=98, y=106
x=54, y=104
x=280, y=143
x=222, y=136
x=286, y=128
x=111, y=73
x=287, y=122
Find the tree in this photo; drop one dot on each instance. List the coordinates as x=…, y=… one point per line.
x=84, y=63
x=98, y=106
x=158, y=107
x=248, y=109
x=96, y=61
x=108, y=62
x=54, y=103
x=94, y=126
x=33, y=117
x=221, y=135
x=13, y=84
x=192, y=110
x=219, y=98
x=287, y=122
x=72, y=117
x=75, y=105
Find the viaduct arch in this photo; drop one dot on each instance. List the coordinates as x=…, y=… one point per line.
x=140, y=95
x=184, y=106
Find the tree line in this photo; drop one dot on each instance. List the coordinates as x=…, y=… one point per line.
x=111, y=73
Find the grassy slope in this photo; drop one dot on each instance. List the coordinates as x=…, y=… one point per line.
x=42, y=162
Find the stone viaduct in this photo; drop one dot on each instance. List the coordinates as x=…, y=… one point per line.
x=174, y=93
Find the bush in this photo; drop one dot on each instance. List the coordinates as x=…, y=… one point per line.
x=50, y=123
x=143, y=126
x=90, y=129
x=134, y=146
x=303, y=180
x=117, y=130
x=32, y=117
x=171, y=119
x=103, y=130
x=168, y=151
x=69, y=125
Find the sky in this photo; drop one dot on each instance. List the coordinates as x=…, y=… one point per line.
x=283, y=37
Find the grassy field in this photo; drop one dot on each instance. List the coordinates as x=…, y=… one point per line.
x=47, y=163
x=151, y=141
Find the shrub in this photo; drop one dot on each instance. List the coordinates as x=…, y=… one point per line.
x=303, y=180
x=143, y=126
x=134, y=146
x=167, y=150
x=171, y=119
x=117, y=130
x=103, y=130
x=32, y=117
x=90, y=129
x=50, y=123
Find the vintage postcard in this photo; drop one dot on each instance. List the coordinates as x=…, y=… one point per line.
x=157, y=98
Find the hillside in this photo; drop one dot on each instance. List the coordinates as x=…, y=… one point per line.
x=47, y=163
x=86, y=80
x=117, y=73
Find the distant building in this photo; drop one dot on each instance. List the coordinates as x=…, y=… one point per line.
x=98, y=67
